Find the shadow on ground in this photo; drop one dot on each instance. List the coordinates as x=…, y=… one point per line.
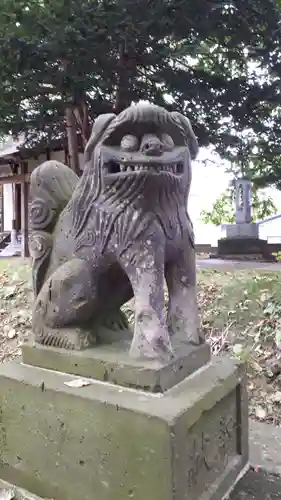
x=258, y=485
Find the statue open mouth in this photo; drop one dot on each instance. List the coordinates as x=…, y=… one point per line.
x=114, y=167
x=118, y=163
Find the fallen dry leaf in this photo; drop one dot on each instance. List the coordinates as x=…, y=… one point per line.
x=12, y=334
x=79, y=382
x=9, y=292
x=276, y=397
x=260, y=412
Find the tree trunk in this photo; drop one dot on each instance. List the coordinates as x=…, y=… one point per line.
x=24, y=211
x=72, y=140
x=122, y=97
x=83, y=122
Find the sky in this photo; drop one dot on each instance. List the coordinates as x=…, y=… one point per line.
x=208, y=182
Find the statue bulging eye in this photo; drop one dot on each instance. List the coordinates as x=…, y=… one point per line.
x=168, y=142
x=129, y=143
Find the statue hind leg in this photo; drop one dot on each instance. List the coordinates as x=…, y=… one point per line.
x=66, y=308
x=63, y=305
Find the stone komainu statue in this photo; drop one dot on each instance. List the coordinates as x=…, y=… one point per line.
x=119, y=231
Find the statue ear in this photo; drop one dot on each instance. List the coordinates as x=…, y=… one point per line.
x=191, y=138
x=100, y=125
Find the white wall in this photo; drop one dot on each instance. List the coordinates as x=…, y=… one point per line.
x=271, y=231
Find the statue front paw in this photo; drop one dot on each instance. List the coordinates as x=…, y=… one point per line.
x=151, y=338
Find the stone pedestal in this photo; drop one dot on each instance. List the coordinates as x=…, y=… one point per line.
x=139, y=430
x=246, y=248
x=111, y=363
x=244, y=231
x=242, y=242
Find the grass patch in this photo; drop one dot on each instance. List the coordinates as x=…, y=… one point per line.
x=15, y=269
x=242, y=298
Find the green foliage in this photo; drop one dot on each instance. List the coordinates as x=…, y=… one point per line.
x=92, y=54
x=223, y=210
x=277, y=256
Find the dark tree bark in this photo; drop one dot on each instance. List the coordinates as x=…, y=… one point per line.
x=122, y=97
x=71, y=129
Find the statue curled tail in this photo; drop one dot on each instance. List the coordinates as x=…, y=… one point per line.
x=51, y=187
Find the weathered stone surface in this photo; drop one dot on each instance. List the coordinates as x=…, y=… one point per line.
x=261, y=482
x=242, y=231
x=112, y=363
x=119, y=231
x=243, y=201
x=103, y=441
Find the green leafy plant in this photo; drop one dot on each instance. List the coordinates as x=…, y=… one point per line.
x=194, y=57
x=277, y=256
x=223, y=210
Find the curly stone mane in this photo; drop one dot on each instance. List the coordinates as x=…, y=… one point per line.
x=125, y=198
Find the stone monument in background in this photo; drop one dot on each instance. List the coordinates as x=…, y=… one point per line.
x=100, y=409
x=243, y=201
x=242, y=238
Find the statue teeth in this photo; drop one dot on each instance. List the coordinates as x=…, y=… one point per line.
x=145, y=168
